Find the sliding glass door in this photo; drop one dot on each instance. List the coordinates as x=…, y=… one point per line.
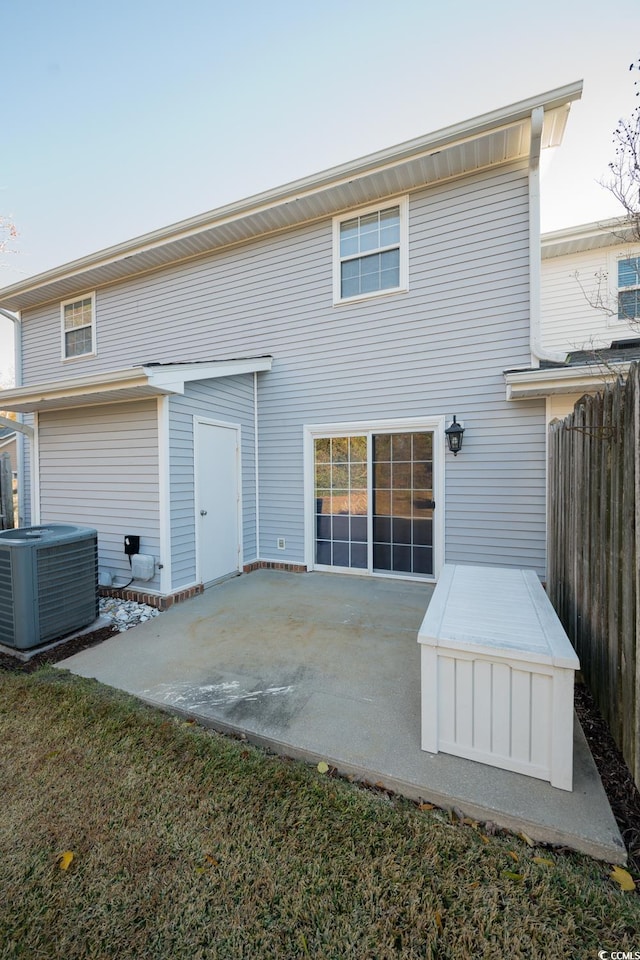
x=374, y=502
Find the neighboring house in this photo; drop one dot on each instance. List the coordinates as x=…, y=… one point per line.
x=270, y=382
x=9, y=444
x=590, y=313
x=8, y=477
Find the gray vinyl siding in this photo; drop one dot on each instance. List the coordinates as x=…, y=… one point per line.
x=41, y=347
x=229, y=400
x=99, y=468
x=438, y=349
x=446, y=344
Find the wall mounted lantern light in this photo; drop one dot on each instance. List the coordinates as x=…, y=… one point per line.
x=453, y=434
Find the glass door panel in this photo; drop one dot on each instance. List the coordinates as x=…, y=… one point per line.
x=403, y=503
x=341, y=499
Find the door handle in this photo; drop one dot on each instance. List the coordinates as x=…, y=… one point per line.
x=203, y=513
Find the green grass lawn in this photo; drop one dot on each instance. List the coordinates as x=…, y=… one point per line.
x=191, y=845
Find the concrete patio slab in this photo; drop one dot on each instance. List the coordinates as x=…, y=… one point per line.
x=327, y=667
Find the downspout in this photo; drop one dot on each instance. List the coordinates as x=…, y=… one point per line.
x=22, y=428
x=538, y=352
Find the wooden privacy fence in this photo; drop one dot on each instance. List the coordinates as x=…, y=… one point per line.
x=6, y=492
x=594, y=520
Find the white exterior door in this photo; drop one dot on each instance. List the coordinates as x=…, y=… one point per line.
x=218, y=540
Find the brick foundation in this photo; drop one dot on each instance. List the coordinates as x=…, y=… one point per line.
x=274, y=565
x=152, y=599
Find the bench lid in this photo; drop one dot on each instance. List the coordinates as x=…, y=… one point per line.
x=496, y=610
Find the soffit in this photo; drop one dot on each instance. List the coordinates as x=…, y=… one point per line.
x=59, y=396
x=488, y=141
x=494, y=148
x=589, y=236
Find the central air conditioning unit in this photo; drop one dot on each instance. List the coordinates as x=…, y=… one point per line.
x=48, y=583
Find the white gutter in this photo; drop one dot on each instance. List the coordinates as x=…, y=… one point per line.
x=538, y=352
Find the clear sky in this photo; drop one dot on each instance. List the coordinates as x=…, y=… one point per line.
x=121, y=116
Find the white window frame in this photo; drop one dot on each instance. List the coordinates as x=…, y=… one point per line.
x=403, y=246
x=63, y=331
x=614, y=259
x=433, y=425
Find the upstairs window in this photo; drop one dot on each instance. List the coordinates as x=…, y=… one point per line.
x=78, y=327
x=370, y=252
x=629, y=288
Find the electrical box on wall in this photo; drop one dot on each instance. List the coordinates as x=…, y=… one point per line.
x=131, y=544
x=143, y=567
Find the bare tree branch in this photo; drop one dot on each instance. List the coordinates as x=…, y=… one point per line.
x=8, y=233
x=624, y=170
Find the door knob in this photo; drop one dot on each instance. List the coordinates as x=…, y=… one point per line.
x=203, y=513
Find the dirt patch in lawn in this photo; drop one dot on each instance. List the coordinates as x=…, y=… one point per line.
x=56, y=654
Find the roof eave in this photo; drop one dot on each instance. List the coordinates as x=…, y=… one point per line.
x=544, y=382
x=130, y=384
x=287, y=199
x=615, y=231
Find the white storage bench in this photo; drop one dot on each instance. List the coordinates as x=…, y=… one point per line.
x=497, y=673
